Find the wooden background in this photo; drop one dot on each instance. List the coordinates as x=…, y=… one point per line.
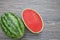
x=49, y=10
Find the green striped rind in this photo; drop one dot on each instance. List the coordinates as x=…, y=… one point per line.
x=12, y=25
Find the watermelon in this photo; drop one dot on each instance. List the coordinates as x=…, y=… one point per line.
x=12, y=25
x=32, y=20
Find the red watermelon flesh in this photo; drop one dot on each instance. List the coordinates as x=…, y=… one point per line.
x=32, y=20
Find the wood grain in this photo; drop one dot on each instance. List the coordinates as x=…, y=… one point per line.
x=49, y=10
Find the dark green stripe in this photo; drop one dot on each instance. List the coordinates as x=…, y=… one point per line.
x=10, y=24
x=3, y=23
x=17, y=28
x=21, y=25
x=17, y=19
x=20, y=22
x=7, y=27
x=3, y=28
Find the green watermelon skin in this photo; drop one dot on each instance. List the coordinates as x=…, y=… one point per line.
x=12, y=25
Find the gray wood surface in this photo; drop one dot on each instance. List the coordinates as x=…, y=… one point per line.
x=49, y=10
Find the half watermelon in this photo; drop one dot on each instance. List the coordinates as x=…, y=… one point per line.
x=32, y=20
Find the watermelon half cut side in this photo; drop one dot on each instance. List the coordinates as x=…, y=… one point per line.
x=32, y=20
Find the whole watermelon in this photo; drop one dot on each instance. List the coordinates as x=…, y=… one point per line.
x=12, y=25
